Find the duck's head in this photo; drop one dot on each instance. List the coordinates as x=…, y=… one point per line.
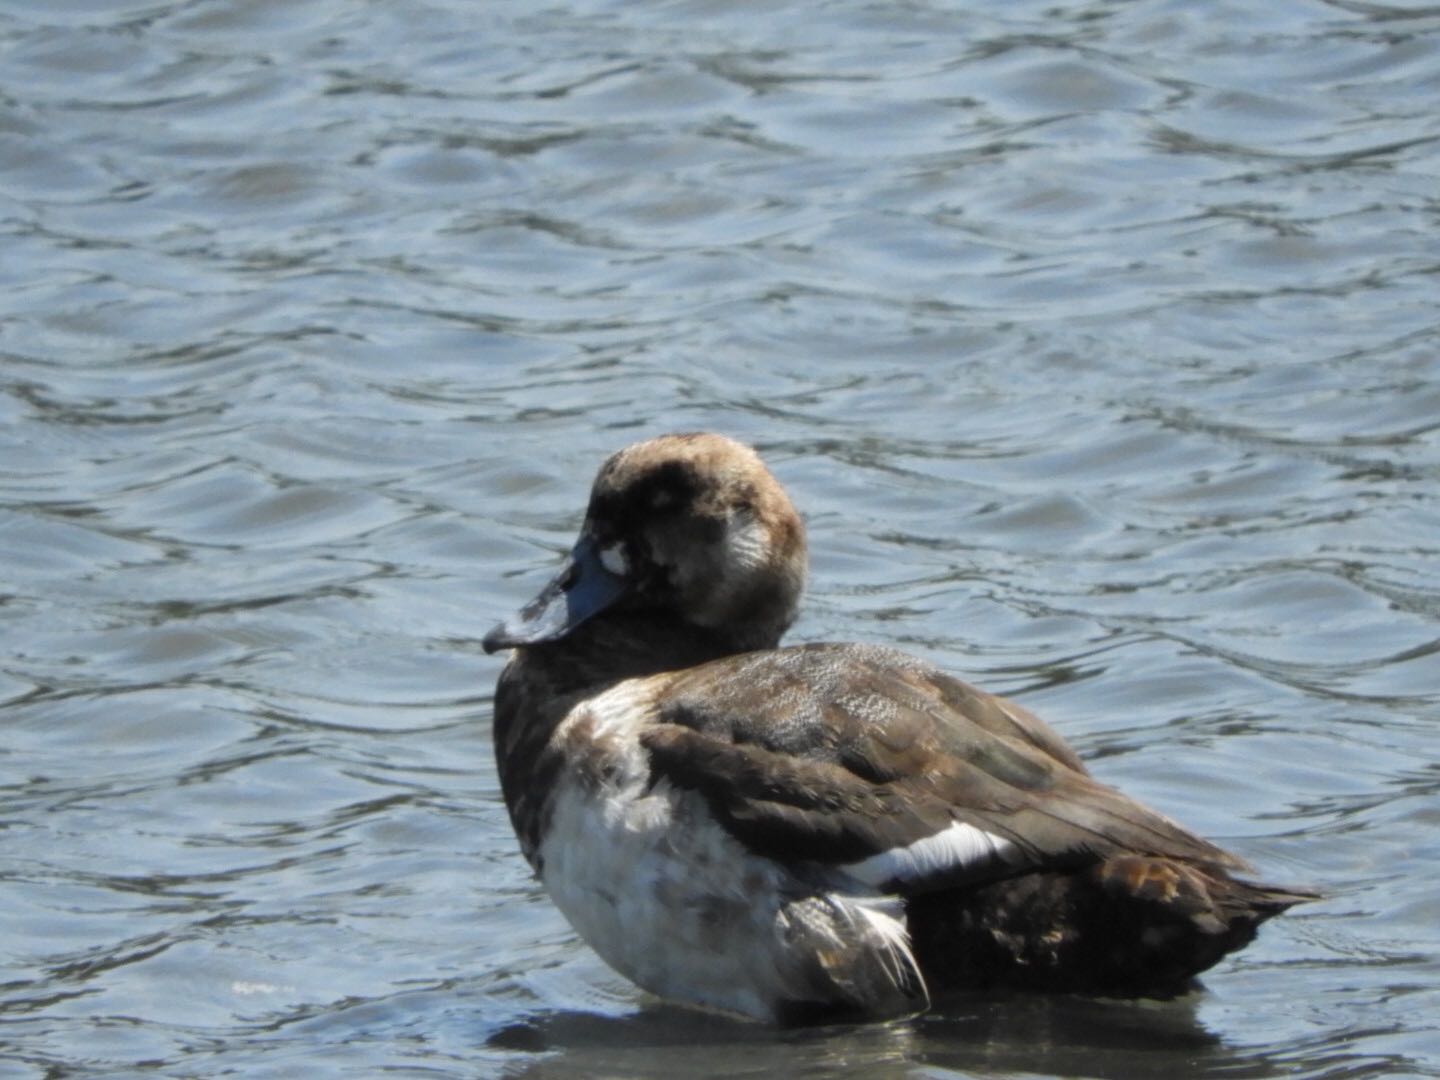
x=688, y=527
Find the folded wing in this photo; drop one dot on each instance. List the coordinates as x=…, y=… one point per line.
x=870, y=765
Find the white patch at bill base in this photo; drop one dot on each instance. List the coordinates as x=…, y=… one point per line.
x=612, y=558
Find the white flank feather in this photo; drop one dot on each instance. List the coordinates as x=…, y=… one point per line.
x=898, y=958
x=954, y=849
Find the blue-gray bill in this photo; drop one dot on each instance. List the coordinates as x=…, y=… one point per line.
x=583, y=588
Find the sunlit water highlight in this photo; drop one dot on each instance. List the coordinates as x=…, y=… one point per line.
x=1097, y=342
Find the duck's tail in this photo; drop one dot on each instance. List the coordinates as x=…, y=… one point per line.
x=1128, y=926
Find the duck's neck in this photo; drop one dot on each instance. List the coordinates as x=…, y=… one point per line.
x=618, y=646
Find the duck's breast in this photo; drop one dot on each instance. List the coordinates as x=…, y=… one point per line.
x=647, y=877
x=672, y=900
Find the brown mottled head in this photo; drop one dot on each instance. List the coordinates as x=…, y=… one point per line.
x=692, y=527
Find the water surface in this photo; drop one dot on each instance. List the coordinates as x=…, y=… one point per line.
x=1096, y=341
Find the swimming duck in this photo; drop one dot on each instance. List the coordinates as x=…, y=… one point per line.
x=814, y=832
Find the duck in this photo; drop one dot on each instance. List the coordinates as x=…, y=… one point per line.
x=817, y=832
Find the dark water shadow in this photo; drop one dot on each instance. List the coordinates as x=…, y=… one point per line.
x=971, y=1035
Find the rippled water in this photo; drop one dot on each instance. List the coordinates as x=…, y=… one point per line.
x=1098, y=341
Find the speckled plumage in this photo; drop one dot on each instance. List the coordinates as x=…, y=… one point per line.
x=813, y=831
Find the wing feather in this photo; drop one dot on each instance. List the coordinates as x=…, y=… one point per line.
x=872, y=765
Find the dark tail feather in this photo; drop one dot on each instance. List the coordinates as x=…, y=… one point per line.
x=1131, y=926
x=1187, y=917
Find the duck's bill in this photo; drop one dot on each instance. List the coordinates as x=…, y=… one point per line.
x=582, y=588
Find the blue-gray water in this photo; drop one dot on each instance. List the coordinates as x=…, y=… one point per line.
x=1097, y=341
